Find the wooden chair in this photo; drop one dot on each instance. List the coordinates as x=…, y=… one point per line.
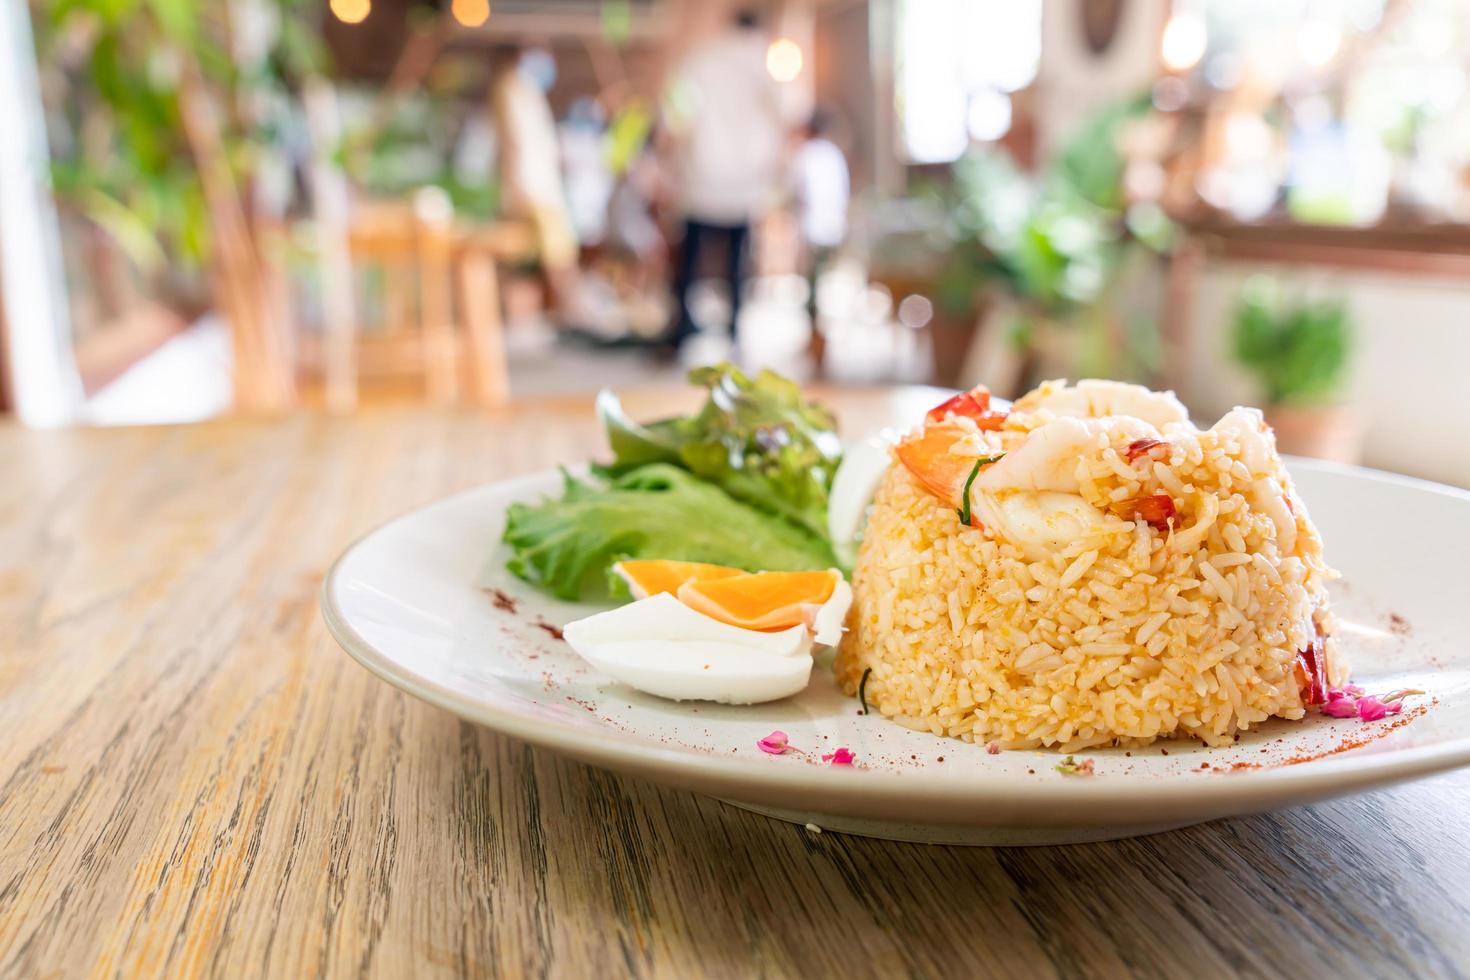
x=441, y=314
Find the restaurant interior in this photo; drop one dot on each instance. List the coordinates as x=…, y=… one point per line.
x=283, y=206
x=415, y=560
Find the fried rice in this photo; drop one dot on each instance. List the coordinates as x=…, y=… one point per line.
x=1203, y=625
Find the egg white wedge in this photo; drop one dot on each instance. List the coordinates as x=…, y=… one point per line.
x=702, y=670
x=663, y=617
x=828, y=623
x=662, y=647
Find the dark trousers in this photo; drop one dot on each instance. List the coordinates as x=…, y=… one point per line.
x=698, y=236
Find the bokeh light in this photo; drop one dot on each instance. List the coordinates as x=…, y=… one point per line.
x=784, y=59
x=471, y=13
x=1170, y=94
x=351, y=11
x=989, y=116
x=915, y=311
x=1318, y=42
x=1184, y=41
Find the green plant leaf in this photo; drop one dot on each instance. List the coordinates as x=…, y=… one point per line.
x=133, y=235
x=755, y=438
x=568, y=546
x=177, y=18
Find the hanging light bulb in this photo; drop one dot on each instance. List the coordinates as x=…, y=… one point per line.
x=471, y=13
x=784, y=59
x=1184, y=41
x=351, y=11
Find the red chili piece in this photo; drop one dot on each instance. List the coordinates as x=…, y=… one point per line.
x=1311, y=670
x=961, y=404
x=1157, y=509
x=974, y=404
x=1142, y=447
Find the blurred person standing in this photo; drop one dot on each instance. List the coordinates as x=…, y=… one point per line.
x=820, y=187
x=532, y=185
x=725, y=123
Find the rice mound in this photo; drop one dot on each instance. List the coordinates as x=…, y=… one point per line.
x=1123, y=636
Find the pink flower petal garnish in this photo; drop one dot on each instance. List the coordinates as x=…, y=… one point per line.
x=775, y=743
x=1350, y=701
x=1371, y=709
x=842, y=757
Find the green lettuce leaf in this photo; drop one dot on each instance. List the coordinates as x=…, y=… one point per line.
x=568, y=546
x=755, y=438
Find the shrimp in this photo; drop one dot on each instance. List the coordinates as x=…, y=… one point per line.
x=1258, y=451
x=1047, y=460
x=1094, y=398
x=1039, y=523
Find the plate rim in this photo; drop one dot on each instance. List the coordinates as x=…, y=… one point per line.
x=1236, y=791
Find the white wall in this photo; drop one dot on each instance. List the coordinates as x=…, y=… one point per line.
x=1411, y=373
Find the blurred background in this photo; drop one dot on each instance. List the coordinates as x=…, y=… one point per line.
x=267, y=206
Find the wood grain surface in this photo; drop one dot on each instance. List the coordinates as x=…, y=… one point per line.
x=195, y=780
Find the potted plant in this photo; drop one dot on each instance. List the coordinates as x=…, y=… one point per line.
x=1055, y=246
x=1299, y=352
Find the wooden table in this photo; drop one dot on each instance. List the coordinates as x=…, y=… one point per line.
x=195, y=779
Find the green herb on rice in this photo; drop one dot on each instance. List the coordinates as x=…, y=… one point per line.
x=964, y=509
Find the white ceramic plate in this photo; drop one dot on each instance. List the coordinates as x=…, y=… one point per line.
x=425, y=603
